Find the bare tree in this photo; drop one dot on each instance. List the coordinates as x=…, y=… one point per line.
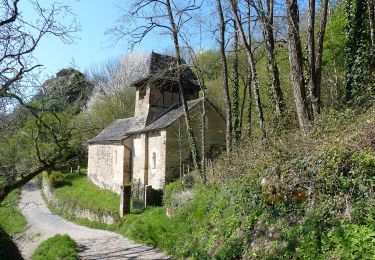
x=113, y=98
x=236, y=85
x=371, y=10
x=315, y=54
x=19, y=38
x=319, y=56
x=296, y=62
x=169, y=16
x=311, y=54
x=251, y=63
x=175, y=30
x=266, y=15
x=227, y=101
x=195, y=64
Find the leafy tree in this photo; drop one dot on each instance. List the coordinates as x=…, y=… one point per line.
x=357, y=48
x=19, y=38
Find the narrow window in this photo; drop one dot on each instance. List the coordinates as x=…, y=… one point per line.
x=153, y=160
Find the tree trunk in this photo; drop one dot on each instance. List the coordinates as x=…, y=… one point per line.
x=268, y=34
x=228, y=112
x=319, y=53
x=251, y=64
x=371, y=10
x=249, y=108
x=296, y=61
x=189, y=129
x=235, y=92
x=243, y=103
x=311, y=57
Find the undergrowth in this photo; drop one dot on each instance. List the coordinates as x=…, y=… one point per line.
x=294, y=196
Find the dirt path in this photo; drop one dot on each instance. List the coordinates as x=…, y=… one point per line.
x=93, y=243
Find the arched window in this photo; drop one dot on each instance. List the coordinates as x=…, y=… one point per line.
x=153, y=160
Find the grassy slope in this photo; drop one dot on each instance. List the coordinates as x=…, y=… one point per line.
x=334, y=166
x=147, y=227
x=57, y=247
x=82, y=192
x=11, y=220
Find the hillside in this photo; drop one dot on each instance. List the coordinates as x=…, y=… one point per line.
x=295, y=196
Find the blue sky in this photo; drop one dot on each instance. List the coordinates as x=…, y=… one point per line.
x=92, y=45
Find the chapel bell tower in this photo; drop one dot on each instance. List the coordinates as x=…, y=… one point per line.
x=158, y=90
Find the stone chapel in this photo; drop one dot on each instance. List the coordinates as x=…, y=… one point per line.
x=151, y=147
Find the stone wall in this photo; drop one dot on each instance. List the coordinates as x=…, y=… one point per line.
x=156, y=159
x=149, y=158
x=106, y=166
x=139, y=157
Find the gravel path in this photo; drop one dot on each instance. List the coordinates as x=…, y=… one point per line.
x=92, y=243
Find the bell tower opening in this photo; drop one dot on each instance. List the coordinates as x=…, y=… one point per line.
x=158, y=90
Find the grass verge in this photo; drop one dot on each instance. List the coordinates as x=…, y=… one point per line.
x=57, y=247
x=81, y=193
x=148, y=226
x=11, y=219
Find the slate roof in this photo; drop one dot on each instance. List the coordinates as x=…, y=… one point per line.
x=119, y=130
x=163, y=67
x=122, y=128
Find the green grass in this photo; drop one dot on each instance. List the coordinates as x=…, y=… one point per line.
x=147, y=226
x=85, y=195
x=56, y=248
x=11, y=219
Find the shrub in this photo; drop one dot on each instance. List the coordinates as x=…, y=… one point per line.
x=350, y=241
x=57, y=179
x=57, y=247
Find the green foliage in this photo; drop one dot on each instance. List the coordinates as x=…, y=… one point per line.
x=11, y=219
x=149, y=227
x=55, y=248
x=230, y=218
x=358, y=56
x=333, y=60
x=350, y=241
x=119, y=104
x=57, y=179
x=83, y=194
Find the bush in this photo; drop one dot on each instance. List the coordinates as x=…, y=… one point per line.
x=57, y=179
x=57, y=247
